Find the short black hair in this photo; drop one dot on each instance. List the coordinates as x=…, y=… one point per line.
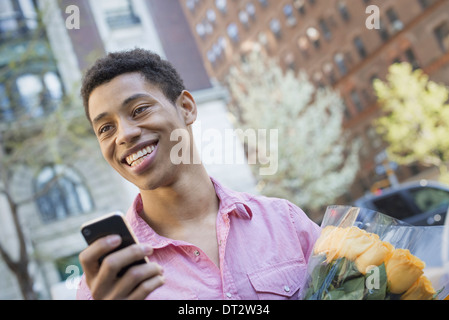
x=153, y=68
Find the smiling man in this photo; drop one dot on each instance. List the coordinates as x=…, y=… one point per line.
x=204, y=240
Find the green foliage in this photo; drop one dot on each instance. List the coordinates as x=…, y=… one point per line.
x=340, y=280
x=415, y=123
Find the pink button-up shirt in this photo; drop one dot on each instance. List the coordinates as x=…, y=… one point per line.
x=264, y=246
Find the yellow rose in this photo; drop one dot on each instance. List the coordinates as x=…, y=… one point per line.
x=422, y=289
x=323, y=242
x=373, y=256
x=329, y=242
x=355, y=242
x=403, y=269
x=349, y=242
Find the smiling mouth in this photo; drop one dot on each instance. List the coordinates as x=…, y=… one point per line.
x=139, y=156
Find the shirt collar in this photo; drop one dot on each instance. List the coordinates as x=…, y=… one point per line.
x=231, y=202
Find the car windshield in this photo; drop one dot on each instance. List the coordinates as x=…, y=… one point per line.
x=393, y=206
x=427, y=199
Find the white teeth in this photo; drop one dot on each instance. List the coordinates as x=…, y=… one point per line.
x=138, y=157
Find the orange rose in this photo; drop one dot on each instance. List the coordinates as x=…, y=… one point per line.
x=422, y=289
x=373, y=256
x=403, y=269
x=355, y=241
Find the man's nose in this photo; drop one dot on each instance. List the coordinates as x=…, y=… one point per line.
x=127, y=132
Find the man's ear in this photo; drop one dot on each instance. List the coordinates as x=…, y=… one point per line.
x=188, y=107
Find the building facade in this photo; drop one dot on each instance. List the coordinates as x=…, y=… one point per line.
x=338, y=44
x=75, y=34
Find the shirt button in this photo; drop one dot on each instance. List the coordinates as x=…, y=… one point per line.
x=286, y=288
x=196, y=252
x=228, y=295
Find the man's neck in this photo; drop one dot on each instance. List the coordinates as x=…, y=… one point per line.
x=190, y=201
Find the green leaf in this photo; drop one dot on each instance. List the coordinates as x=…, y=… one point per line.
x=352, y=289
x=376, y=283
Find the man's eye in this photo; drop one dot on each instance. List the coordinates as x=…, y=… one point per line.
x=140, y=110
x=104, y=129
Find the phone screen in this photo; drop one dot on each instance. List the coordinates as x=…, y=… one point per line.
x=113, y=223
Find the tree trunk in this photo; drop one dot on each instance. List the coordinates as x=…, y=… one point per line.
x=26, y=283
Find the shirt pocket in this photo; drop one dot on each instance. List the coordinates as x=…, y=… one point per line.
x=279, y=281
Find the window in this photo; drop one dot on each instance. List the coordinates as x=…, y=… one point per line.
x=340, y=62
x=383, y=32
x=204, y=28
x=39, y=93
x=325, y=29
x=360, y=47
x=233, y=32
x=264, y=3
x=251, y=9
x=429, y=198
x=442, y=35
x=17, y=16
x=288, y=12
x=217, y=50
x=191, y=5
x=299, y=5
x=344, y=11
x=314, y=36
x=200, y=30
x=53, y=85
x=211, y=16
x=355, y=98
x=244, y=18
x=30, y=89
x=409, y=54
x=119, y=14
x=61, y=193
x=394, y=206
x=221, y=5
x=396, y=24
x=424, y=3
x=329, y=72
x=275, y=27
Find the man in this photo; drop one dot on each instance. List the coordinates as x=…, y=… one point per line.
x=203, y=240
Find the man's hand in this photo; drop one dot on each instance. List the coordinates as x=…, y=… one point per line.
x=137, y=282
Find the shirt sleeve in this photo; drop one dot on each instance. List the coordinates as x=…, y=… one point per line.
x=83, y=292
x=306, y=230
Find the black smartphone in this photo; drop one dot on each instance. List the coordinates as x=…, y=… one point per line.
x=112, y=223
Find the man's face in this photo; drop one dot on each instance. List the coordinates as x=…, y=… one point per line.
x=133, y=120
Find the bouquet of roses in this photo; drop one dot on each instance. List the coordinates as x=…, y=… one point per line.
x=366, y=255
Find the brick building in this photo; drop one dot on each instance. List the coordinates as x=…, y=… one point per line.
x=332, y=43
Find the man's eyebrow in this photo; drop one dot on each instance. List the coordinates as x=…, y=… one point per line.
x=124, y=104
x=99, y=117
x=135, y=97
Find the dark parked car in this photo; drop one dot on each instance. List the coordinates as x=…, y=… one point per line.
x=421, y=203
